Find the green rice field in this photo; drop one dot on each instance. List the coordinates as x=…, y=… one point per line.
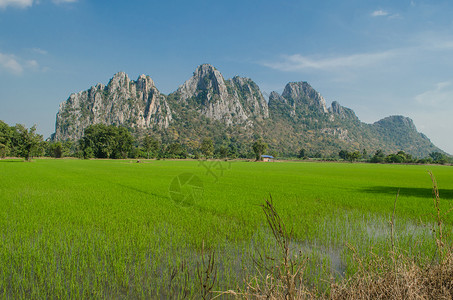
x=118, y=229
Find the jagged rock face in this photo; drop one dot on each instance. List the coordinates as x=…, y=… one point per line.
x=336, y=108
x=250, y=96
x=235, y=101
x=397, y=122
x=121, y=102
x=205, y=78
x=302, y=94
x=342, y=112
x=296, y=119
x=279, y=105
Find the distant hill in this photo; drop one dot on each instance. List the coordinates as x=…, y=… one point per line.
x=207, y=105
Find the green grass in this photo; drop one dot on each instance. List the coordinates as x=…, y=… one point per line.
x=102, y=228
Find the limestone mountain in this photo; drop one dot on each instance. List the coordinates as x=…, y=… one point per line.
x=122, y=102
x=237, y=101
x=234, y=110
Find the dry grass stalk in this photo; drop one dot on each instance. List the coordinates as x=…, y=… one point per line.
x=282, y=277
x=404, y=278
x=207, y=273
x=176, y=273
x=401, y=277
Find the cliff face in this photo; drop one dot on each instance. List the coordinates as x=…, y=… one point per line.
x=237, y=101
x=207, y=105
x=122, y=102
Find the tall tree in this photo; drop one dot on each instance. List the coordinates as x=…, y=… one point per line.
x=302, y=153
x=56, y=149
x=259, y=147
x=343, y=154
x=5, y=139
x=124, y=143
x=26, y=141
x=150, y=145
x=102, y=141
x=353, y=156
x=207, y=147
x=438, y=157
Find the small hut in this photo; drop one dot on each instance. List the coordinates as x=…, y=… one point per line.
x=267, y=158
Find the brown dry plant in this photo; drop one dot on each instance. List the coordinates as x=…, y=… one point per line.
x=403, y=277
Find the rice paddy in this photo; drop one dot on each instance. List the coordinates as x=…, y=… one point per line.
x=121, y=229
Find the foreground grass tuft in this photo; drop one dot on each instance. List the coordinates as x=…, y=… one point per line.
x=396, y=275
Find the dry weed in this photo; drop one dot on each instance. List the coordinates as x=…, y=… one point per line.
x=400, y=277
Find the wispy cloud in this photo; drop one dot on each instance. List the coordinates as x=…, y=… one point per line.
x=439, y=96
x=10, y=64
x=27, y=3
x=14, y=65
x=39, y=51
x=422, y=47
x=63, y=1
x=299, y=62
x=379, y=13
x=16, y=3
x=384, y=13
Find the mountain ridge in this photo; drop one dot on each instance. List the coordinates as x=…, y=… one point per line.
x=208, y=105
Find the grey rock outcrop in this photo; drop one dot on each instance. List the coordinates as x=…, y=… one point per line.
x=302, y=94
x=237, y=101
x=122, y=102
x=342, y=112
x=209, y=105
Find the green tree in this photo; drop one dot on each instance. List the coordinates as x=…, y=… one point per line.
x=222, y=152
x=354, y=156
x=150, y=145
x=68, y=148
x=343, y=154
x=378, y=157
x=302, y=153
x=124, y=143
x=175, y=150
x=207, y=147
x=438, y=158
x=56, y=150
x=26, y=141
x=5, y=139
x=364, y=153
x=259, y=147
x=102, y=141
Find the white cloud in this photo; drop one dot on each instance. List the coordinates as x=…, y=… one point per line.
x=299, y=62
x=16, y=3
x=39, y=51
x=10, y=64
x=63, y=1
x=27, y=3
x=14, y=65
x=379, y=13
x=440, y=97
x=32, y=64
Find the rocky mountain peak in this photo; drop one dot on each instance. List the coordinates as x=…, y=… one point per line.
x=274, y=95
x=145, y=84
x=207, y=104
x=120, y=77
x=397, y=122
x=249, y=95
x=343, y=112
x=302, y=93
x=205, y=70
x=336, y=108
x=205, y=78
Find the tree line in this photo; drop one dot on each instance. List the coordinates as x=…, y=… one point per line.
x=112, y=142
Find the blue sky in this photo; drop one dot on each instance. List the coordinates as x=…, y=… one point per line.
x=379, y=58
